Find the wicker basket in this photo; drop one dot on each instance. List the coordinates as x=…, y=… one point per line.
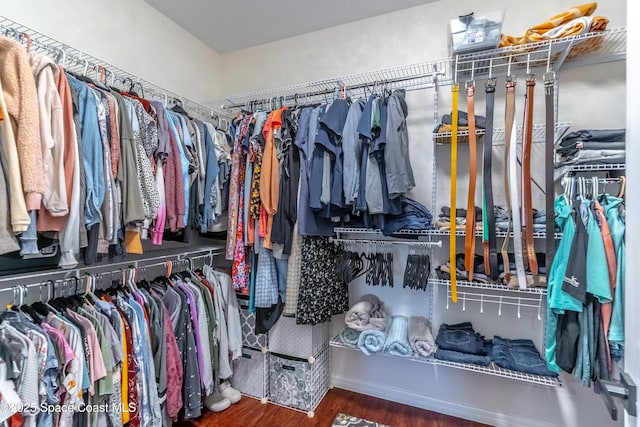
x=249, y=337
x=303, y=341
x=251, y=374
x=297, y=383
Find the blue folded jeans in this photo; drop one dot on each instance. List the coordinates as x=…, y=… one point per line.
x=519, y=355
x=459, y=357
x=461, y=338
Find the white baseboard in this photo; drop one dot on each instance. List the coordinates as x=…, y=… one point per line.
x=436, y=405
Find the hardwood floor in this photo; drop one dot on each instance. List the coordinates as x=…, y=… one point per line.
x=250, y=412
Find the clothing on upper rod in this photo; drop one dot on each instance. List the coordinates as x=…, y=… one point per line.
x=100, y=168
x=312, y=168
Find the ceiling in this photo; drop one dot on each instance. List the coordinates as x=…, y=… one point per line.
x=230, y=25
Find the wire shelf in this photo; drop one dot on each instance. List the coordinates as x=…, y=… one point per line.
x=421, y=75
x=444, y=138
x=492, y=369
x=501, y=234
x=599, y=47
x=590, y=48
x=595, y=168
x=80, y=62
x=488, y=286
x=370, y=231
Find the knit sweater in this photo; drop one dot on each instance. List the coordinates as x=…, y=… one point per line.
x=18, y=209
x=19, y=90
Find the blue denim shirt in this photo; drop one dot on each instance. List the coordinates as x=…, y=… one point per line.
x=92, y=160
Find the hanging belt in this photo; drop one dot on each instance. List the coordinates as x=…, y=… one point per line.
x=452, y=214
x=488, y=215
x=550, y=245
x=515, y=206
x=510, y=110
x=470, y=233
x=527, y=209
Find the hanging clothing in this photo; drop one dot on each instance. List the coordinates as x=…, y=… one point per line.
x=321, y=294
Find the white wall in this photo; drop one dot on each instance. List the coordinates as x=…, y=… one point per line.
x=130, y=35
x=590, y=97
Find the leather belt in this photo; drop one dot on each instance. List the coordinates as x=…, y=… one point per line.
x=527, y=209
x=515, y=206
x=550, y=245
x=470, y=233
x=488, y=215
x=452, y=202
x=510, y=110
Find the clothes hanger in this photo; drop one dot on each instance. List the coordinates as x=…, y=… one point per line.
x=623, y=184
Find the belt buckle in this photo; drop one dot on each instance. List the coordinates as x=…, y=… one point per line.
x=490, y=83
x=549, y=77
x=531, y=78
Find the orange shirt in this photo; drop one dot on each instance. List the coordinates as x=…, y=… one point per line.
x=270, y=172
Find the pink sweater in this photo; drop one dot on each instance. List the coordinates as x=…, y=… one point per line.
x=20, y=95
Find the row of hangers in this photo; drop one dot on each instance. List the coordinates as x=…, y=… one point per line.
x=379, y=88
x=589, y=187
x=103, y=75
x=89, y=283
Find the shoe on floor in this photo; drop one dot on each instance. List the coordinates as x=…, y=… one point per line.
x=216, y=402
x=229, y=392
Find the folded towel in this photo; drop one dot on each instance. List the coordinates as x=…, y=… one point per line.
x=420, y=336
x=350, y=336
x=397, y=342
x=372, y=340
x=366, y=314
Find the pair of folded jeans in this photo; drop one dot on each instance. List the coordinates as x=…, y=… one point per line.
x=459, y=357
x=519, y=355
x=461, y=338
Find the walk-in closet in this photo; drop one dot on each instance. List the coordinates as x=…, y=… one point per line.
x=363, y=213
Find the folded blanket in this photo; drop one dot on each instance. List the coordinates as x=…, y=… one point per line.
x=366, y=314
x=350, y=336
x=420, y=336
x=397, y=342
x=575, y=21
x=372, y=340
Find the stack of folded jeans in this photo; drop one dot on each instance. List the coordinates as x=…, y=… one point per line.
x=460, y=343
x=443, y=271
x=519, y=355
x=502, y=219
x=443, y=222
x=414, y=216
x=593, y=146
x=463, y=122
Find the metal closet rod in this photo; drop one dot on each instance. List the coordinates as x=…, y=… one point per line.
x=104, y=269
x=386, y=242
x=339, y=85
x=33, y=39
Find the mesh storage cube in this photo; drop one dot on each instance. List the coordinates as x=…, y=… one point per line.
x=302, y=341
x=298, y=383
x=249, y=337
x=251, y=373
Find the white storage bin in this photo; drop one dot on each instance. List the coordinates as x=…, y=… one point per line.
x=297, y=383
x=251, y=374
x=249, y=336
x=470, y=33
x=303, y=341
